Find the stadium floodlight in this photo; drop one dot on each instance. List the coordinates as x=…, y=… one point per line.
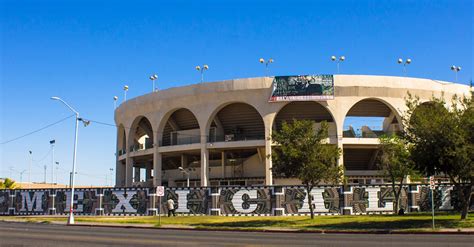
x=269, y=61
x=341, y=59
x=202, y=69
x=405, y=63
x=187, y=175
x=456, y=69
x=153, y=78
x=70, y=220
x=125, y=89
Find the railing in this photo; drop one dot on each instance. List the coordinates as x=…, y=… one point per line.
x=363, y=132
x=137, y=147
x=182, y=140
x=122, y=152
x=235, y=137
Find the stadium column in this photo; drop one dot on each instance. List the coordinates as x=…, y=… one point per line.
x=128, y=171
x=268, y=120
x=339, y=130
x=157, y=166
x=204, y=160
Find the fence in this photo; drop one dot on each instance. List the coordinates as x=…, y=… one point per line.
x=256, y=200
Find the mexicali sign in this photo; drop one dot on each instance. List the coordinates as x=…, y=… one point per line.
x=260, y=200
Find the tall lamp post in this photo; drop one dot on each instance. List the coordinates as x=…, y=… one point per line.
x=456, y=69
x=153, y=78
x=187, y=175
x=269, y=61
x=70, y=220
x=340, y=60
x=52, y=142
x=125, y=89
x=111, y=176
x=29, y=169
x=405, y=63
x=115, y=102
x=202, y=69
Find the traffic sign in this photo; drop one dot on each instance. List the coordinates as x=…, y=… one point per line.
x=160, y=191
x=432, y=182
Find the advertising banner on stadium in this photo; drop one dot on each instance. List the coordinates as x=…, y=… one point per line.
x=302, y=88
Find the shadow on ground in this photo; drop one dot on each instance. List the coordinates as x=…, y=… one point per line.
x=385, y=225
x=354, y=225
x=250, y=223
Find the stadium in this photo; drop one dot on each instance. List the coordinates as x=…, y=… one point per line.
x=218, y=133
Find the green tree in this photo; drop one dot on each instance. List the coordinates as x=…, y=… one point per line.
x=303, y=153
x=8, y=184
x=394, y=162
x=442, y=141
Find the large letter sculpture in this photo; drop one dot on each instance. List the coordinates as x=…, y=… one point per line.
x=124, y=202
x=28, y=201
x=237, y=201
x=318, y=202
x=374, y=201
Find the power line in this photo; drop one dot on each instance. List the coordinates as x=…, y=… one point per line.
x=38, y=130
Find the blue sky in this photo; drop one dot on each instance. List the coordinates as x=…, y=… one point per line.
x=85, y=51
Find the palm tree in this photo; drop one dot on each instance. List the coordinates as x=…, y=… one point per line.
x=8, y=184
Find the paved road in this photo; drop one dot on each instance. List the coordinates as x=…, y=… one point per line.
x=31, y=234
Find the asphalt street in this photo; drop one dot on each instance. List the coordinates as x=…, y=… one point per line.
x=33, y=234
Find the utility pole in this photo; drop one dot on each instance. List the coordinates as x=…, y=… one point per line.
x=29, y=169
x=44, y=174
x=52, y=142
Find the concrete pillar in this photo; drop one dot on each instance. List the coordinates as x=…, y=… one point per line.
x=148, y=172
x=204, y=166
x=157, y=166
x=119, y=174
x=128, y=172
x=223, y=163
x=340, y=130
x=136, y=173
x=268, y=120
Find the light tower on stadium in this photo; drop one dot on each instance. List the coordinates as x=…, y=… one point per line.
x=456, y=69
x=125, y=89
x=407, y=62
x=153, y=78
x=340, y=60
x=202, y=69
x=269, y=61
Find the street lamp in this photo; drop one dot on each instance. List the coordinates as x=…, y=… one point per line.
x=407, y=62
x=269, y=61
x=125, y=89
x=340, y=60
x=57, y=171
x=29, y=169
x=111, y=176
x=153, y=78
x=52, y=142
x=456, y=69
x=115, y=102
x=187, y=175
x=204, y=68
x=70, y=220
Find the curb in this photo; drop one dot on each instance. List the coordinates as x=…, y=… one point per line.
x=381, y=232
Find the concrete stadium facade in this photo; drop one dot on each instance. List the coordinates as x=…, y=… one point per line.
x=218, y=134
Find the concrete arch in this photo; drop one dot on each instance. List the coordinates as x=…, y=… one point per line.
x=385, y=102
x=361, y=108
x=320, y=107
x=121, y=140
x=141, y=126
x=164, y=122
x=226, y=105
